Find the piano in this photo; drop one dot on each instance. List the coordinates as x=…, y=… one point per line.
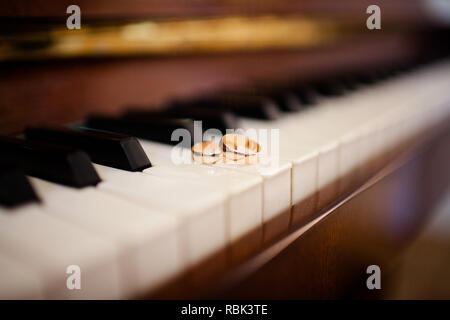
x=351, y=124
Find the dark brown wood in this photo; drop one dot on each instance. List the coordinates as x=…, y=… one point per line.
x=277, y=226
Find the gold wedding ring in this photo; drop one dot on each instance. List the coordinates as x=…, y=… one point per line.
x=240, y=144
x=207, y=148
x=207, y=152
x=233, y=148
x=234, y=158
x=206, y=159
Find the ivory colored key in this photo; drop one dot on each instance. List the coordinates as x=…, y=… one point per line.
x=199, y=210
x=146, y=239
x=48, y=246
x=17, y=281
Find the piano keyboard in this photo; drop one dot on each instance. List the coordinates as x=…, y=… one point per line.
x=133, y=220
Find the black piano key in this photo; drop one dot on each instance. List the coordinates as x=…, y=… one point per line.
x=382, y=74
x=396, y=71
x=374, y=76
x=258, y=107
x=156, y=129
x=288, y=101
x=254, y=107
x=306, y=94
x=330, y=87
x=350, y=82
x=15, y=189
x=58, y=164
x=284, y=99
x=109, y=149
x=367, y=78
x=210, y=118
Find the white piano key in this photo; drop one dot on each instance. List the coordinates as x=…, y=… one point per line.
x=304, y=186
x=244, y=191
x=147, y=240
x=327, y=173
x=276, y=177
x=199, y=210
x=349, y=153
x=17, y=281
x=48, y=245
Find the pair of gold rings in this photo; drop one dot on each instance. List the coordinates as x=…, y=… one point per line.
x=232, y=148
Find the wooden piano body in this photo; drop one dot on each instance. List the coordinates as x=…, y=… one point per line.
x=326, y=255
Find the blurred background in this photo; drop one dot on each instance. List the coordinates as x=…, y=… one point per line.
x=155, y=51
x=423, y=268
